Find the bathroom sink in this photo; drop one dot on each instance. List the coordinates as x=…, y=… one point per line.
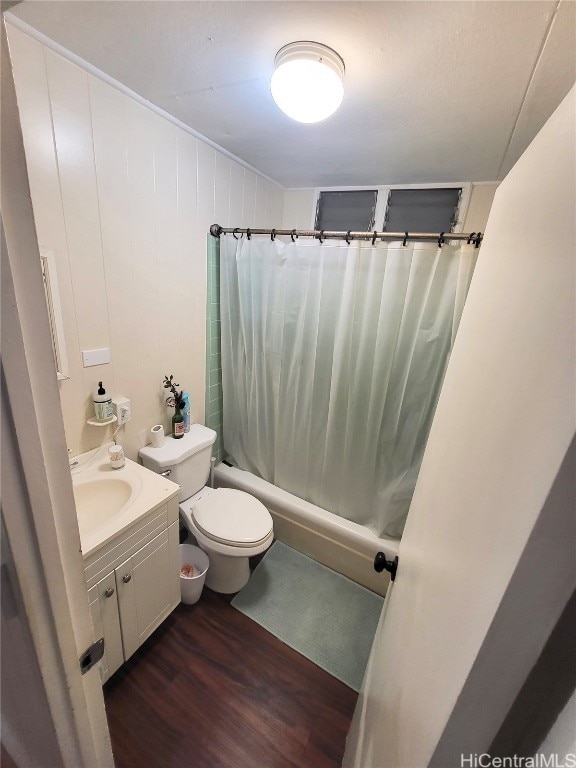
x=109, y=501
x=100, y=499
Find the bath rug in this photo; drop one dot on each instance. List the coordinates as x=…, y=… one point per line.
x=321, y=614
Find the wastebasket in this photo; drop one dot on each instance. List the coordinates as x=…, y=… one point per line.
x=191, y=586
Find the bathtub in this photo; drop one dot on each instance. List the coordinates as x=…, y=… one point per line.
x=343, y=546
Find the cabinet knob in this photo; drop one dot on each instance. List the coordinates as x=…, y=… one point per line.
x=126, y=578
x=109, y=592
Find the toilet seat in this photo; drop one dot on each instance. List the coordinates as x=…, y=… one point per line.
x=231, y=517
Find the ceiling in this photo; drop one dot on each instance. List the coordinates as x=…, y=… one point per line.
x=434, y=91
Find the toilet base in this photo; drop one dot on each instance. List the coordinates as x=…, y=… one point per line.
x=229, y=568
x=226, y=574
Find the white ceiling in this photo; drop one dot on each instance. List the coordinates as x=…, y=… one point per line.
x=434, y=91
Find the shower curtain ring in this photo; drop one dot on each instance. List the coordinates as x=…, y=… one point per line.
x=248, y=233
x=441, y=240
x=348, y=237
x=478, y=240
x=374, y=236
x=405, y=238
x=234, y=233
x=321, y=236
x=273, y=235
x=470, y=238
x=293, y=234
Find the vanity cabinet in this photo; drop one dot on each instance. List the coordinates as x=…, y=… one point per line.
x=146, y=588
x=106, y=620
x=134, y=583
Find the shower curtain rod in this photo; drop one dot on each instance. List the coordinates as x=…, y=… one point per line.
x=473, y=237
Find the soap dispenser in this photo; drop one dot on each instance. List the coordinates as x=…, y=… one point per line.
x=102, y=404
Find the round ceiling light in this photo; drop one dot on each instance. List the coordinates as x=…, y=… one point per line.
x=307, y=83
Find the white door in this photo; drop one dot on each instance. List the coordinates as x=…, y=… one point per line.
x=487, y=559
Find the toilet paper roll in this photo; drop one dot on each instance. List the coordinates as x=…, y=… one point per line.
x=157, y=436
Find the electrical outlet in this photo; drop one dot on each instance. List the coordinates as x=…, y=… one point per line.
x=122, y=410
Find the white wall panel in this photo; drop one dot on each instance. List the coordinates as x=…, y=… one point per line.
x=34, y=104
x=481, y=200
x=275, y=207
x=72, y=127
x=299, y=209
x=75, y=154
x=184, y=350
x=36, y=118
x=109, y=135
x=222, y=190
x=260, y=202
x=236, y=195
x=206, y=184
x=125, y=199
x=249, y=201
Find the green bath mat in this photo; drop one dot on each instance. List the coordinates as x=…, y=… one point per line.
x=321, y=614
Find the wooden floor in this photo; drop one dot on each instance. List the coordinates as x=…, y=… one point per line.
x=6, y=760
x=211, y=688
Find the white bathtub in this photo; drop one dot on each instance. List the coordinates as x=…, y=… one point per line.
x=346, y=547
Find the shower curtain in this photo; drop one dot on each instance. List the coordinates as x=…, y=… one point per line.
x=333, y=356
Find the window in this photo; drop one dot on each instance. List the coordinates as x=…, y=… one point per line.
x=422, y=210
x=346, y=210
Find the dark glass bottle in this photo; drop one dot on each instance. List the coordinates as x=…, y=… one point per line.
x=178, y=424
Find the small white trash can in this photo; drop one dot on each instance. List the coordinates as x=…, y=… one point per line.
x=191, y=586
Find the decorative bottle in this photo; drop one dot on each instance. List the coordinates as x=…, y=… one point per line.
x=102, y=404
x=178, y=420
x=186, y=410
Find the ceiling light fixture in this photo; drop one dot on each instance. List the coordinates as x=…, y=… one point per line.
x=307, y=83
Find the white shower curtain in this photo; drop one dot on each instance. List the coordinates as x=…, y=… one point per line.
x=333, y=356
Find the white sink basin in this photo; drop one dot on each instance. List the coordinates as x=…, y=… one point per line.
x=109, y=501
x=99, y=500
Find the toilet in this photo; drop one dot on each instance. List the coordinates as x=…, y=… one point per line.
x=229, y=525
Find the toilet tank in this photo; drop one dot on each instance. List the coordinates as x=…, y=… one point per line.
x=187, y=458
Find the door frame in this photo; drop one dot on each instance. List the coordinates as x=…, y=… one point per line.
x=38, y=509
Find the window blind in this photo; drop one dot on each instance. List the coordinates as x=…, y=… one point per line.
x=422, y=210
x=342, y=211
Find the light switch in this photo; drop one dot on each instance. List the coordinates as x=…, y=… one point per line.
x=95, y=357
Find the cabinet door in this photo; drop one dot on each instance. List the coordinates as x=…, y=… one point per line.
x=104, y=609
x=148, y=588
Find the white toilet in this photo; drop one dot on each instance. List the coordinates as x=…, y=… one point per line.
x=229, y=525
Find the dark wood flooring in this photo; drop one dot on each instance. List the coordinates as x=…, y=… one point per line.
x=6, y=760
x=213, y=689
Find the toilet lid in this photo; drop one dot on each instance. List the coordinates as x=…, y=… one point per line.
x=233, y=517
